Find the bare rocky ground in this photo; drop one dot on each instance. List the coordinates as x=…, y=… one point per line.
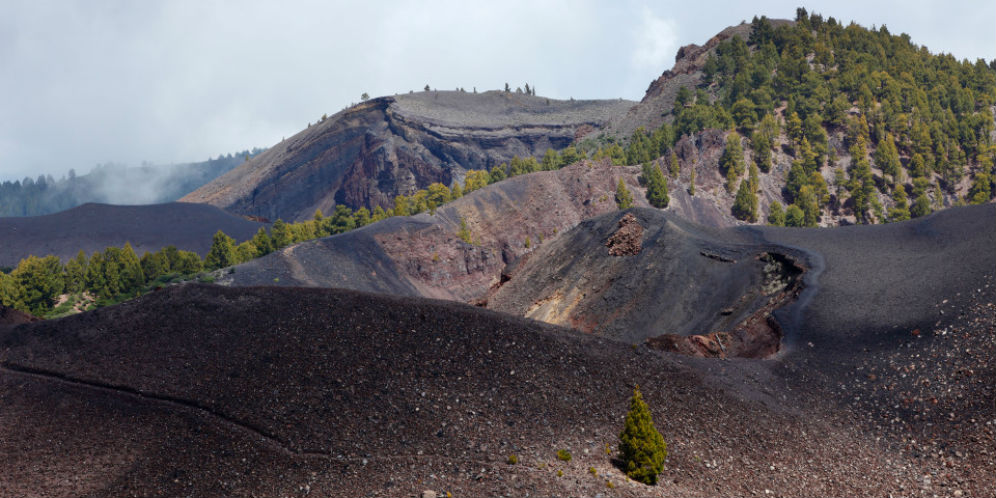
x=883, y=387
x=204, y=390
x=94, y=227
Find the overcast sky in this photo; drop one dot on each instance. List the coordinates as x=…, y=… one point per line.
x=97, y=81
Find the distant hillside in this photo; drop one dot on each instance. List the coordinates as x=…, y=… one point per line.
x=113, y=184
x=366, y=155
x=94, y=227
x=845, y=124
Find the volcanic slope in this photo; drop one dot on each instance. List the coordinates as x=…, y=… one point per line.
x=685, y=279
x=206, y=390
x=370, y=153
x=423, y=255
x=94, y=227
x=673, y=277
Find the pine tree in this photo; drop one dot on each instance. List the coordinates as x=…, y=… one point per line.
x=732, y=160
x=887, y=157
x=362, y=216
x=184, y=263
x=378, y=214
x=132, y=276
x=795, y=217
x=261, y=241
x=245, y=251
x=39, y=281
x=673, y=166
x=154, y=265
x=901, y=211
x=691, y=181
x=981, y=190
x=280, y=234
x=776, y=215
x=76, y=272
x=641, y=447
x=810, y=206
x=921, y=206
x=656, y=183
x=342, y=219
x=743, y=205
x=10, y=293
x=222, y=252
x=624, y=199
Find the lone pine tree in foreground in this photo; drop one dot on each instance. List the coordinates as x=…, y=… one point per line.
x=641, y=448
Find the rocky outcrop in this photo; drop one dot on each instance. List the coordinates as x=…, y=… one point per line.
x=628, y=239
x=370, y=153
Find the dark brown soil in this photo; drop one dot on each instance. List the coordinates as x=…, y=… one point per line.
x=203, y=390
x=10, y=316
x=94, y=227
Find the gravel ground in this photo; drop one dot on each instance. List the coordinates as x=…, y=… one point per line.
x=94, y=227
x=884, y=388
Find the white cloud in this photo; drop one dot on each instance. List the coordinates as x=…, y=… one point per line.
x=656, y=43
x=92, y=81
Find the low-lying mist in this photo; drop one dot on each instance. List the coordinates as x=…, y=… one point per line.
x=113, y=184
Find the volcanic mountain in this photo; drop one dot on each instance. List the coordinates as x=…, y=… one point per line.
x=371, y=152
x=852, y=361
x=94, y=227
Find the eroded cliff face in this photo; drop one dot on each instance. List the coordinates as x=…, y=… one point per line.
x=423, y=255
x=370, y=153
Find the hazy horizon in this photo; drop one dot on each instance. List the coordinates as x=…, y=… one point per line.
x=90, y=83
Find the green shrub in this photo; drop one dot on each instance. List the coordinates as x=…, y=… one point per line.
x=641, y=448
x=564, y=455
x=512, y=459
